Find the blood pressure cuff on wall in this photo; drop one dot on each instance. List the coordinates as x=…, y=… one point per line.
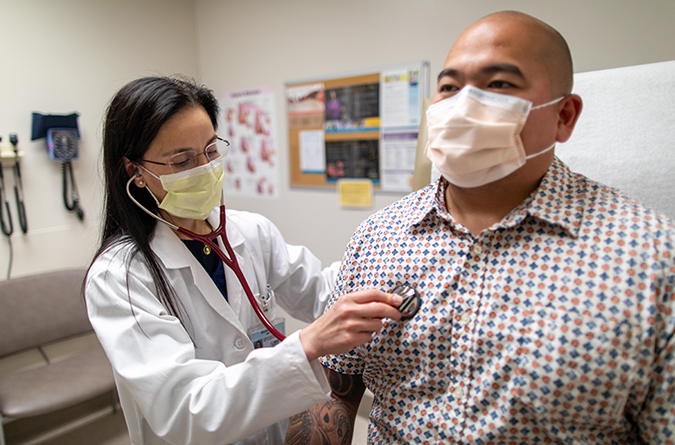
x=43, y=122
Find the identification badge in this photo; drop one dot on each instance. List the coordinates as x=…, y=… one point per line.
x=263, y=338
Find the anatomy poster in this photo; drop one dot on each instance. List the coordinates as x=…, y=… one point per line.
x=249, y=123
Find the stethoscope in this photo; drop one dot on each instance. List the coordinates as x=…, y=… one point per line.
x=409, y=306
x=411, y=300
x=230, y=259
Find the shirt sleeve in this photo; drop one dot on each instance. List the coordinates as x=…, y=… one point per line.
x=348, y=280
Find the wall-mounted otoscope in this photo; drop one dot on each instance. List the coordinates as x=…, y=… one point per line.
x=18, y=185
x=5, y=214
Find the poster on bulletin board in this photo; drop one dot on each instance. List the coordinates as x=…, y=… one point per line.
x=251, y=166
x=362, y=126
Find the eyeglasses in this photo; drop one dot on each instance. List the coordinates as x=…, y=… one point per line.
x=187, y=160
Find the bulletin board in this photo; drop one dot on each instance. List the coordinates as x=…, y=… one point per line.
x=361, y=126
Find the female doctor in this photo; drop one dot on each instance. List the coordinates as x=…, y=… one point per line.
x=174, y=323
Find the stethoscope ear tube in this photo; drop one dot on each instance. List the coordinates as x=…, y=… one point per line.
x=230, y=261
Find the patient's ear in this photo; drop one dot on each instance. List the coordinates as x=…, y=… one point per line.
x=569, y=110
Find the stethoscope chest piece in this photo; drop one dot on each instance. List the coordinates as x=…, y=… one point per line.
x=411, y=300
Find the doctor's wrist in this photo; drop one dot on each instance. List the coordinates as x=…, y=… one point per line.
x=311, y=352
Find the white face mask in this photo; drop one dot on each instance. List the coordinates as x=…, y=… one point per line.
x=474, y=136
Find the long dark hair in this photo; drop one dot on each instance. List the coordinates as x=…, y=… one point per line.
x=133, y=119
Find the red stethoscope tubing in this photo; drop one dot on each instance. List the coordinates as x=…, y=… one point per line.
x=232, y=263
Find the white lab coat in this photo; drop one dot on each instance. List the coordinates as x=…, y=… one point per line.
x=213, y=388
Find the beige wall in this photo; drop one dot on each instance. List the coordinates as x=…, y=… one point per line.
x=250, y=43
x=72, y=55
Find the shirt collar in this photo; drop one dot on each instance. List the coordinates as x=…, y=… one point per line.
x=552, y=201
x=430, y=198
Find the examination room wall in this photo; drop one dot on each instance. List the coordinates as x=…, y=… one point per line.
x=251, y=43
x=72, y=55
x=69, y=56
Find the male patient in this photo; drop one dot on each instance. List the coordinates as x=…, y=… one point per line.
x=547, y=309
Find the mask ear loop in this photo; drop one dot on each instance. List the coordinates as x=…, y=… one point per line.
x=554, y=101
x=173, y=226
x=136, y=175
x=534, y=155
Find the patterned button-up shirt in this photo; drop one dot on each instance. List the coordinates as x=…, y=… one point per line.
x=555, y=325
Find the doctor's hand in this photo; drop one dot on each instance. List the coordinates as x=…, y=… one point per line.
x=349, y=322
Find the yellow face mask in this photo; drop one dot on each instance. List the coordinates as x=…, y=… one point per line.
x=193, y=193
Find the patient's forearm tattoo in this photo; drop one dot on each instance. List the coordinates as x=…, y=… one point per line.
x=322, y=424
x=330, y=423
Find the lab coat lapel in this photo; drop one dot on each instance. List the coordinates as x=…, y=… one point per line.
x=174, y=255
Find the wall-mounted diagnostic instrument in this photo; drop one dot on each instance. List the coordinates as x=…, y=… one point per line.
x=62, y=144
x=18, y=185
x=62, y=134
x=5, y=212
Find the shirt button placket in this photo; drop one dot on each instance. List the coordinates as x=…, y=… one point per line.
x=462, y=328
x=461, y=355
x=477, y=249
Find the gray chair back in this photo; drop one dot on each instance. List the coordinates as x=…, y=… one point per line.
x=38, y=309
